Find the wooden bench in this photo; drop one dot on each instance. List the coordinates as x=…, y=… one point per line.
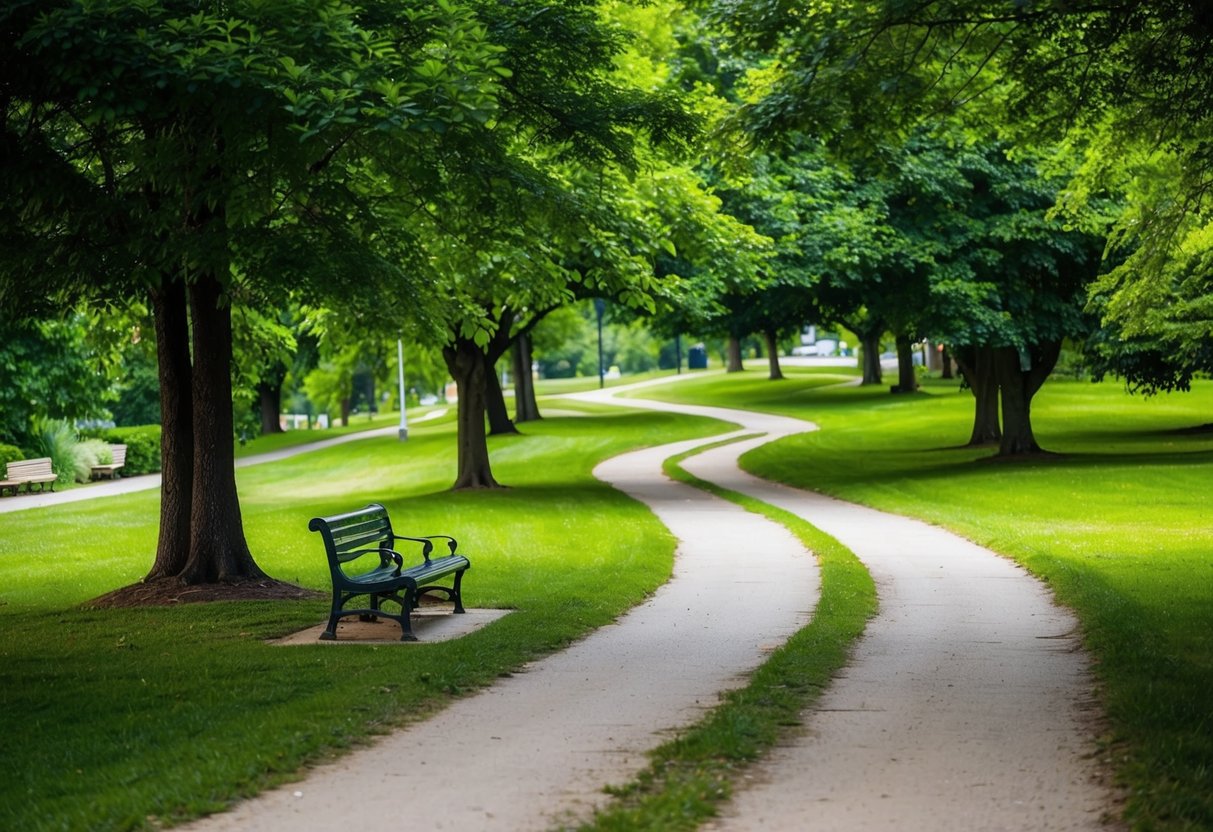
x=111, y=469
x=363, y=561
x=29, y=472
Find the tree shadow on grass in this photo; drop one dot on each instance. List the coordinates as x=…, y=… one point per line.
x=937, y=466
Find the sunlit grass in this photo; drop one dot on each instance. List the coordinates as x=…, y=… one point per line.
x=1117, y=524
x=579, y=384
x=113, y=719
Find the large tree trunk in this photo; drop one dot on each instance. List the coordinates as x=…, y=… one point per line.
x=869, y=344
x=907, y=379
x=772, y=340
x=732, y=352
x=499, y=415
x=1020, y=376
x=177, y=428
x=466, y=363
x=218, y=551
x=977, y=365
x=526, y=408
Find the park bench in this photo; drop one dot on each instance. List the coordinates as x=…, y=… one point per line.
x=363, y=561
x=29, y=472
x=111, y=469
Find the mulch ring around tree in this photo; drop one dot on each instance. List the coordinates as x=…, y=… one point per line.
x=171, y=591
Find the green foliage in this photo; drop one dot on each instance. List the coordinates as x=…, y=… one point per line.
x=566, y=342
x=138, y=401
x=47, y=371
x=142, y=446
x=9, y=453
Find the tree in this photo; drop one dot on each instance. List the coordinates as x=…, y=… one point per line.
x=1125, y=83
x=189, y=155
x=1009, y=280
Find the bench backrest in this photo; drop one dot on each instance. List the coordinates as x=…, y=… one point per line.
x=119, y=452
x=24, y=469
x=348, y=536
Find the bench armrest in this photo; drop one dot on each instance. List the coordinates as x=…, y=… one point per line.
x=385, y=554
x=428, y=543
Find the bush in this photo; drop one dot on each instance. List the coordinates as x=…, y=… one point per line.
x=142, y=447
x=9, y=453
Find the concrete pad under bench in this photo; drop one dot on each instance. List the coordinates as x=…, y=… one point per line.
x=428, y=626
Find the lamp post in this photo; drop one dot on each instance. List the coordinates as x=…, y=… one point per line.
x=404, y=422
x=678, y=352
x=599, y=307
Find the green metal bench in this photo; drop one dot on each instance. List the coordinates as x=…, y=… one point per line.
x=363, y=561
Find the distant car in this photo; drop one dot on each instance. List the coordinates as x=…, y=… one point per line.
x=428, y=399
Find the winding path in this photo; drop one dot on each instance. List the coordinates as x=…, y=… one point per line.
x=965, y=707
x=537, y=748
x=968, y=704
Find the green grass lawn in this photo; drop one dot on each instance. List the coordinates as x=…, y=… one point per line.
x=121, y=719
x=562, y=386
x=1117, y=524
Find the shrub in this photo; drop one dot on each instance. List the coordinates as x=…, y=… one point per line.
x=9, y=453
x=142, y=447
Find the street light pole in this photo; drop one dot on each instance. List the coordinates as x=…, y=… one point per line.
x=404, y=422
x=599, y=307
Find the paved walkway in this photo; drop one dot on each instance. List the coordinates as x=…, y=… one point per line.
x=539, y=746
x=148, y=482
x=968, y=704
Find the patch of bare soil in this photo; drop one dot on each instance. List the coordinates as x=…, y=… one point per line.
x=170, y=591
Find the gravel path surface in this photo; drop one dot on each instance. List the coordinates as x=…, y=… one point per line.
x=968, y=704
x=538, y=747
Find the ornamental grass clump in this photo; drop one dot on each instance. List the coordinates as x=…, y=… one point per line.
x=56, y=439
x=89, y=454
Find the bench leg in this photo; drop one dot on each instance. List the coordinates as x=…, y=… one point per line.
x=456, y=593
x=406, y=613
x=330, y=632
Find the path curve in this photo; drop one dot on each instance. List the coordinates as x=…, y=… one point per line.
x=537, y=748
x=968, y=704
